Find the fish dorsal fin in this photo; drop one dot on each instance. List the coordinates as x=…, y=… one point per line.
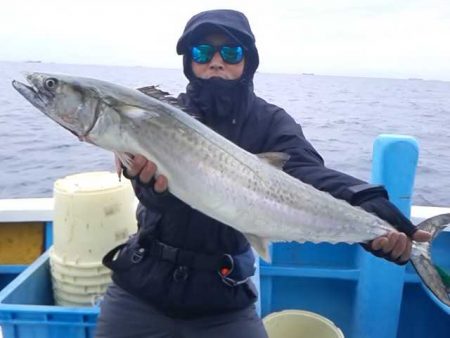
x=261, y=245
x=276, y=159
x=156, y=93
x=161, y=95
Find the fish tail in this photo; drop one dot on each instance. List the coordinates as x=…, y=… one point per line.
x=433, y=277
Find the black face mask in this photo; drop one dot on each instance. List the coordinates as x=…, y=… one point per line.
x=217, y=97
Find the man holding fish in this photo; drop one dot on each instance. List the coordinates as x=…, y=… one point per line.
x=206, y=295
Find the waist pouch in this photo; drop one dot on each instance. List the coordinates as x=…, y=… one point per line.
x=182, y=283
x=232, y=269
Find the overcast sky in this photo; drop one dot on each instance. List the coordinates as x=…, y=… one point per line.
x=380, y=38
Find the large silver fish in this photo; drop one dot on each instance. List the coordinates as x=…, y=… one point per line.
x=212, y=174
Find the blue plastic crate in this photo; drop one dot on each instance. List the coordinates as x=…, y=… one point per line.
x=27, y=308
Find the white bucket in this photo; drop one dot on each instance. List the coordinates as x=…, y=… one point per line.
x=70, y=299
x=69, y=271
x=62, y=302
x=80, y=270
x=300, y=324
x=93, y=213
x=81, y=280
x=79, y=289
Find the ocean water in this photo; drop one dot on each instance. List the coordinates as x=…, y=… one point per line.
x=341, y=116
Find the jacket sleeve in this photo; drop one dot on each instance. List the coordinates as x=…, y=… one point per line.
x=285, y=135
x=151, y=199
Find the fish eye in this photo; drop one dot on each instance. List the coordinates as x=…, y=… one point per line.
x=50, y=83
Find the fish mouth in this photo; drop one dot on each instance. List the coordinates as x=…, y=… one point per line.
x=32, y=94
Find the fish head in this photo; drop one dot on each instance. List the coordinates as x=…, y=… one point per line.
x=63, y=99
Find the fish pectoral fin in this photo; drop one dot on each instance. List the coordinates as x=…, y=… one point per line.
x=261, y=245
x=136, y=113
x=276, y=159
x=125, y=159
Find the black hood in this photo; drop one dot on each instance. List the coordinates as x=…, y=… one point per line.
x=232, y=23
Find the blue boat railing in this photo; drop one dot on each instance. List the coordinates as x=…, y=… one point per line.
x=379, y=300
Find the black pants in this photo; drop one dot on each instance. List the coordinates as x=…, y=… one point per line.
x=123, y=315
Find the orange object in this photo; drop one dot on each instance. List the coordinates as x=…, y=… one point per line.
x=224, y=271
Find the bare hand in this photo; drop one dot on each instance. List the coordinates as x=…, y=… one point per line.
x=146, y=170
x=397, y=245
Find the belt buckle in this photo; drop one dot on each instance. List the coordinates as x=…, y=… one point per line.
x=138, y=255
x=181, y=273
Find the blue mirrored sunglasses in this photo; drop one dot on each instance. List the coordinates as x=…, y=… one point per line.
x=204, y=53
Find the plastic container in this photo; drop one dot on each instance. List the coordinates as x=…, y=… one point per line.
x=80, y=289
x=28, y=310
x=93, y=213
x=78, y=270
x=300, y=324
x=81, y=280
x=64, y=298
